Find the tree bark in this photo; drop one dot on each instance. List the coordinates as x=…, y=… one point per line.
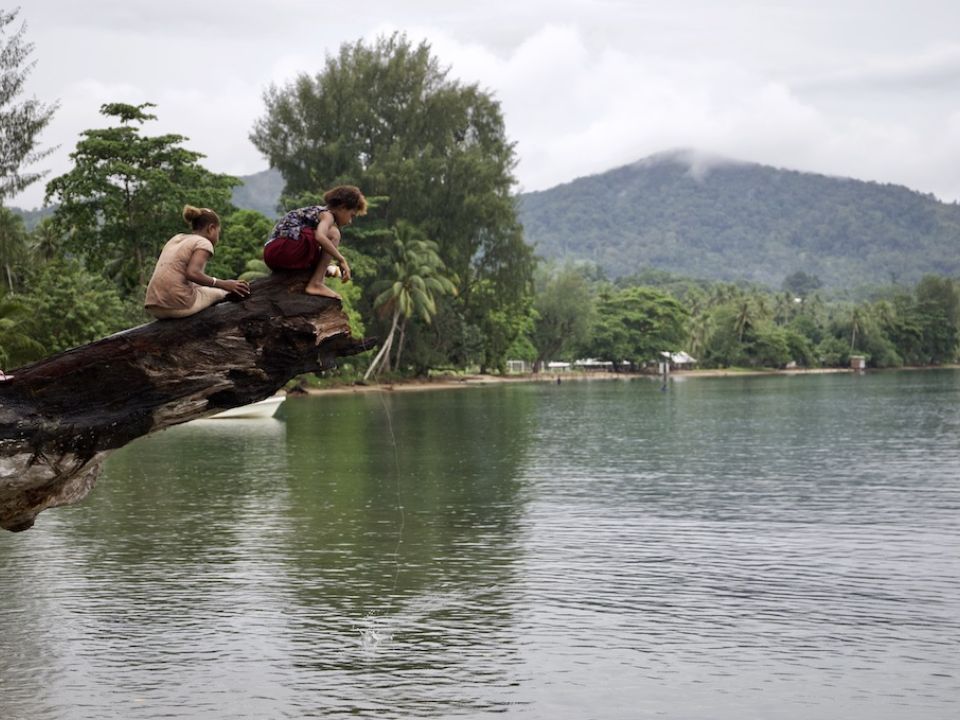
x=60, y=417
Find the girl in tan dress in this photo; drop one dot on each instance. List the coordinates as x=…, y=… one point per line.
x=179, y=286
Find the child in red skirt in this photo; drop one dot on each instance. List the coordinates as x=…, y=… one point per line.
x=310, y=237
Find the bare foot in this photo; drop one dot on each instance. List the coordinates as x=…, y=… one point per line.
x=321, y=291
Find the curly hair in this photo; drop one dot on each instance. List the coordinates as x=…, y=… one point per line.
x=348, y=197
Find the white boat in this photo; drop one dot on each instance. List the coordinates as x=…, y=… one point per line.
x=263, y=409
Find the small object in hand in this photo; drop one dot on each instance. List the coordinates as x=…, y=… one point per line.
x=334, y=271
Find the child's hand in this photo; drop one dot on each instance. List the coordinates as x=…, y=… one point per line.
x=237, y=287
x=345, y=272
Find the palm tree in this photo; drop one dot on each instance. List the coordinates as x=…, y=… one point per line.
x=700, y=326
x=856, y=326
x=46, y=241
x=722, y=293
x=418, y=274
x=746, y=317
x=784, y=308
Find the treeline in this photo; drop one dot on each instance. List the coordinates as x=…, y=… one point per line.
x=579, y=314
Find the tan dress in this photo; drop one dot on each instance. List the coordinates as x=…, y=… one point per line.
x=169, y=293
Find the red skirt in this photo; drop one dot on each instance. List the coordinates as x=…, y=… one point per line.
x=285, y=253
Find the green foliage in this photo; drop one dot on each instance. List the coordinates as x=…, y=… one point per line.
x=350, y=293
x=938, y=311
x=241, y=241
x=637, y=324
x=800, y=284
x=722, y=347
x=14, y=250
x=499, y=328
x=744, y=222
x=17, y=345
x=834, y=352
x=20, y=122
x=418, y=275
x=416, y=278
x=385, y=116
x=123, y=198
x=253, y=270
x=768, y=346
x=71, y=306
x=799, y=349
x=564, y=311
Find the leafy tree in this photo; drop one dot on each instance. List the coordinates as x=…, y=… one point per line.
x=386, y=117
x=834, y=351
x=900, y=322
x=800, y=348
x=418, y=276
x=856, y=327
x=769, y=346
x=746, y=317
x=71, y=306
x=564, y=313
x=723, y=346
x=500, y=326
x=20, y=122
x=637, y=324
x=863, y=329
x=800, y=284
x=938, y=310
x=241, y=240
x=700, y=329
x=17, y=345
x=122, y=200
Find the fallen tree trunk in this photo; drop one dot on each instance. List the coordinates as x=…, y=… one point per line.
x=60, y=417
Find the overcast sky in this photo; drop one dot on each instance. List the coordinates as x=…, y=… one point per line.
x=865, y=89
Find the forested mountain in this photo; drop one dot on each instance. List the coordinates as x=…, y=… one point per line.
x=260, y=192
x=725, y=220
x=32, y=218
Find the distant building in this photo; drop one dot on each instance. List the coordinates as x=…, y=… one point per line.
x=679, y=360
x=518, y=367
x=594, y=365
x=858, y=362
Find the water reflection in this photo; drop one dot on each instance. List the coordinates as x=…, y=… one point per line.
x=767, y=547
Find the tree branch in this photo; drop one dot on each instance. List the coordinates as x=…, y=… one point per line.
x=60, y=417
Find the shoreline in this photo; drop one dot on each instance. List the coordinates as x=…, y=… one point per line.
x=450, y=382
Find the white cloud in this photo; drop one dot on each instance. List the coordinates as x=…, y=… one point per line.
x=842, y=88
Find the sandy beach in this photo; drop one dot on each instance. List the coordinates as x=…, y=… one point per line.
x=463, y=381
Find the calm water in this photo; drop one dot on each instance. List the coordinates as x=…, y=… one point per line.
x=780, y=547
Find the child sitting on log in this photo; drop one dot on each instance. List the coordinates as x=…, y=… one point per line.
x=179, y=286
x=309, y=238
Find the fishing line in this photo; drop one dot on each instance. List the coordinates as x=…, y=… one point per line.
x=396, y=462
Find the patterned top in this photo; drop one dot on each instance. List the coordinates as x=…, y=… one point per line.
x=294, y=221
